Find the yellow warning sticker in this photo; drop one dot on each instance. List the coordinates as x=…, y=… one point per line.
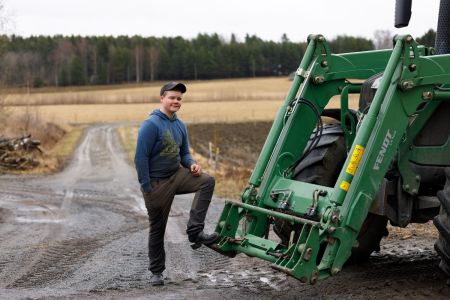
x=344, y=185
x=355, y=159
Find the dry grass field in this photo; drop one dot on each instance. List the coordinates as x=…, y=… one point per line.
x=274, y=88
x=198, y=112
x=205, y=102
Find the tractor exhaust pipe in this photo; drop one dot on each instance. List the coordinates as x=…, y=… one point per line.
x=443, y=29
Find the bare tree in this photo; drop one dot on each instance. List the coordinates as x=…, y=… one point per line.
x=3, y=28
x=7, y=23
x=61, y=56
x=383, y=39
x=83, y=49
x=138, y=53
x=94, y=54
x=3, y=108
x=2, y=9
x=154, y=60
x=29, y=65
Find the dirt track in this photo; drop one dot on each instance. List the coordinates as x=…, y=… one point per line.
x=83, y=232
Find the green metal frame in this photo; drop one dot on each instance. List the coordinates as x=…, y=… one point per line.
x=331, y=218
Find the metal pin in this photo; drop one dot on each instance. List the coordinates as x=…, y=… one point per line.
x=427, y=95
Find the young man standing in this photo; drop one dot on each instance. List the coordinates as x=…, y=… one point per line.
x=165, y=168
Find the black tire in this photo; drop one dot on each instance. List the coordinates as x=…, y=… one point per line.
x=322, y=166
x=367, y=93
x=442, y=223
x=372, y=231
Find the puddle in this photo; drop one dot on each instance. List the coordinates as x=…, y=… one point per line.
x=34, y=220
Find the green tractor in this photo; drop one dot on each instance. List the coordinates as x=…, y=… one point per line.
x=328, y=188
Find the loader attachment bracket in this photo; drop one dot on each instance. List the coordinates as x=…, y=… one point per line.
x=324, y=221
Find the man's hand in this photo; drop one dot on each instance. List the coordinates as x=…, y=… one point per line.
x=196, y=170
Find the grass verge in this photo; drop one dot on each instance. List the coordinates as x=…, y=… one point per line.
x=65, y=147
x=128, y=136
x=54, y=159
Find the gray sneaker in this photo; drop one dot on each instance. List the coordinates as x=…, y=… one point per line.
x=157, y=279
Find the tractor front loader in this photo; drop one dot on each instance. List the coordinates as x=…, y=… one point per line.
x=328, y=180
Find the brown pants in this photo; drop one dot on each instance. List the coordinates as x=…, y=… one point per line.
x=159, y=201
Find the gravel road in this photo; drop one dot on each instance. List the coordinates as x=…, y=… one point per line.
x=82, y=233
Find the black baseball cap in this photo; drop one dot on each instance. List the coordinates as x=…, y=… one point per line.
x=173, y=86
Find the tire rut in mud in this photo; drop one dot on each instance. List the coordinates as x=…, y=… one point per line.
x=57, y=262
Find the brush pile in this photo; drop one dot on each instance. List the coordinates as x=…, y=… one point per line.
x=19, y=153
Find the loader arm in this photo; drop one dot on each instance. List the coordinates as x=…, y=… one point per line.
x=330, y=218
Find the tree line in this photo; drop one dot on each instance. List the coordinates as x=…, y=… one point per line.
x=75, y=60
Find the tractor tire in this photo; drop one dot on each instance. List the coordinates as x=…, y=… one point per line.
x=368, y=93
x=372, y=231
x=442, y=223
x=322, y=166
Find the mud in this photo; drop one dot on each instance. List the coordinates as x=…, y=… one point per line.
x=82, y=233
x=238, y=143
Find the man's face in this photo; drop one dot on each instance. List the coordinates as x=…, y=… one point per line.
x=171, y=101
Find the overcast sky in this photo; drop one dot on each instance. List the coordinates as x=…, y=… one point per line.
x=266, y=19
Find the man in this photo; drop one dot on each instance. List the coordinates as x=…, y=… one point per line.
x=162, y=145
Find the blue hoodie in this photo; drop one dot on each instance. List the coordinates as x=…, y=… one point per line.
x=162, y=145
